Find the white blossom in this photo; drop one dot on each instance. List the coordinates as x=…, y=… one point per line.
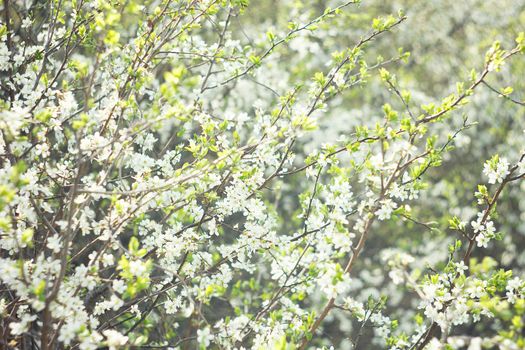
x=114, y=339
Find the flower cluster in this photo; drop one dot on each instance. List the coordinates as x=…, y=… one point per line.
x=496, y=169
x=484, y=230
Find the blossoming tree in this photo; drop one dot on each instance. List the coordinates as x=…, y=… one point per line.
x=184, y=174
